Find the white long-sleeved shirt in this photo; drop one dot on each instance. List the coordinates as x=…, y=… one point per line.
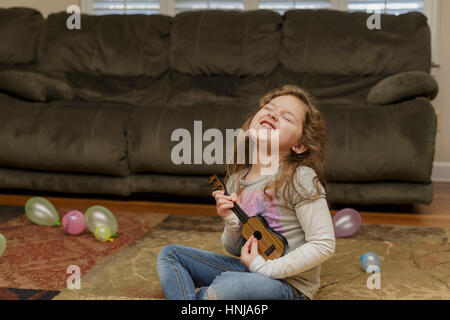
x=306, y=225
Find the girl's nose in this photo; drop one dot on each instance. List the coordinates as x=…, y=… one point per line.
x=273, y=115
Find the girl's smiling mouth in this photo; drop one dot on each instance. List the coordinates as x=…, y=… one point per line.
x=267, y=124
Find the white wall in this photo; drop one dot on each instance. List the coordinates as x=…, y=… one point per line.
x=442, y=102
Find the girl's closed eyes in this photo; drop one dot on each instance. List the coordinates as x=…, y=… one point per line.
x=286, y=115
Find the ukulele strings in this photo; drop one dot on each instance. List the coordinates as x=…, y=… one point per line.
x=239, y=211
x=244, y=214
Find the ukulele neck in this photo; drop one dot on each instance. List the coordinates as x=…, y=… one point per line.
x=239, y=212
x=218, y=184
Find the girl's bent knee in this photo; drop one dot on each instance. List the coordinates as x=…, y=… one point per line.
x=223, y=287
x=167, y=250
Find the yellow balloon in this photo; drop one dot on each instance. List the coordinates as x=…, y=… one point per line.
x=102, y=233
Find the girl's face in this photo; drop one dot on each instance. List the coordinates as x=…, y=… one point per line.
x=286, y=114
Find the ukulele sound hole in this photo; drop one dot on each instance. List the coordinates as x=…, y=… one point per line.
x=257, y=235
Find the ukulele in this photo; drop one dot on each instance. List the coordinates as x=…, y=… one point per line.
x=271, y=245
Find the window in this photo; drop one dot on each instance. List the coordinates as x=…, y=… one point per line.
x=385, y=6
x=172, y=7
x=282, y=5
x=100, y=7
x=187, y=5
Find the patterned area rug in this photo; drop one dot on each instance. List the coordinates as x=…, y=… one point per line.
x=415, y=260
x=38, y=257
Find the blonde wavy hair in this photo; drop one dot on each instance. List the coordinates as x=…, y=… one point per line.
x=314, y=137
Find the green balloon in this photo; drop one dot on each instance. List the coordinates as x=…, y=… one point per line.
x=102, y=233
x=42, y=212
x=100, y=216
x=2, y=244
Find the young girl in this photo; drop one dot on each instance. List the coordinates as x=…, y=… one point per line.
x=291, y=199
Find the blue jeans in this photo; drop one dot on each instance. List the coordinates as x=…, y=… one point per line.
x=181, y=269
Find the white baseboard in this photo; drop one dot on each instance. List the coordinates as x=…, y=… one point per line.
x=441, y=172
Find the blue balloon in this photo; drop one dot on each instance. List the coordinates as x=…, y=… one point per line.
x=370, y=262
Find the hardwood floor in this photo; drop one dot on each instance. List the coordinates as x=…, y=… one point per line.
x=437, y=214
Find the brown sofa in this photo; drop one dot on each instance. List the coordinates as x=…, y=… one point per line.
x=91, y=111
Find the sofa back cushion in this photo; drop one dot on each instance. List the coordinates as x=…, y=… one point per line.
x=19, y=31
x=121, y=45
x=229, y=42
x=340, y=43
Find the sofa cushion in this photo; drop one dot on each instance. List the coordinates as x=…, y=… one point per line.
x=139, y=91
x=150, y=131
x=33, y=86
x=19, y=31
x=335, y=89
x=380, y=192
x=380, y=143
x=178, y=186
x=121, y=45
x=187, y=89
x=403, y=86
x=64, y=182
x=63, y=136
x=230, y=42
x=338, y=42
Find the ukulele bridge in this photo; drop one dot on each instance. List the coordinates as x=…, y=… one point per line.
x=269, y=250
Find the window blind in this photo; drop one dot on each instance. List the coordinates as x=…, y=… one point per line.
x=385, y=6
x=101, y=7
x=282, y=5
x=188, y=5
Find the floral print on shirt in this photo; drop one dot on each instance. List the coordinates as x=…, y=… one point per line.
x=255, y=203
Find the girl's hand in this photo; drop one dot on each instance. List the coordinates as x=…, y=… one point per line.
x=224, y=203
x=249, y=251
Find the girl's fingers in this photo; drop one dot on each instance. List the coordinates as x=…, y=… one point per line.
x=247, y=244
x=254, y=247
x=221, y=196
x=223, y=201
x=234, y=197
x=217, y=192
x=225, y=207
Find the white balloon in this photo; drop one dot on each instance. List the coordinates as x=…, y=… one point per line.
x=100, y=216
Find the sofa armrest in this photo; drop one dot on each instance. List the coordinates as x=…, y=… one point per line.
x=33, y=86
x=403, y=86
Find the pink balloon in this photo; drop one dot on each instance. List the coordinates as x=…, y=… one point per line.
x=74, y=222
x=346, y=222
